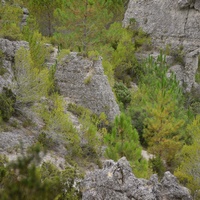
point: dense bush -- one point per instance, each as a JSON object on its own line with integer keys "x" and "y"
{"x": 124, "y": 141}
{"x": 29, "y": 179}
{"x": 7, "y": 100}
{"x": 122, "y": 93}
{"x": 10, "y": 16}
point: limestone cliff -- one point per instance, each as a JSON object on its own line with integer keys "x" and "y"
{"x": 83, "y": 81}
{"x": 171, "y": 22}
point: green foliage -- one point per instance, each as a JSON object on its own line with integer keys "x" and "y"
{"x": 85, "y": 22}
{"x": 43, "y": 12}
{"x": 92, "y": 145}
{"x": 122, "y": 92}
{"x": 2, "y": 69}
{"x": 58, "y": 126}
{"x": 178, "y": 55}
{"x": 197, "y": 75}
{"x": 62, "y": 54}
{"x": 76, "y": 109}
{"x": 7, "y": 100}
{"x": 159, "y": 102}
{"x": 32, "y": 83}
{"x": 24, "y": 179}
{"x": 10, "y": 17}
{"x": 93, "y": 129}
{"x": 38, "y": 50}
{"x": 46, "y": 141}
{"x": 188, "y": 171}
{"x": 157, "y": 166}
{"x": 118, "y": 50}
{"x": 124, "y": 141}
{"x": 93, "y": 55}
{"x": 88, "y": 79}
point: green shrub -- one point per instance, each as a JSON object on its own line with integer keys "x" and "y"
{"x": 178, "y": 55}
{"x": 2, "y": 71}
{"x": 124, "y": 141}
{"x": 88, "y": 79}
{"x": 7, "y": 101}
{"x": 197, "y": 75}
{"x": 157, "y": 166}
{"x": 62, "y": 54}
{"x": 10, "y": 16}
{"x": 76, "y": 109}
{"x": 93, "y": 55}
{"x": 45, "y": 140}
{"x": 25, "y": 178}
{"x": 122, "y": 93}
{"x": 1, "y": 57}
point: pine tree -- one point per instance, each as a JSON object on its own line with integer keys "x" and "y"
{"x": 124, "y": 141}
{"x": 160, "y": 103}
{"x": 43, "y": 11}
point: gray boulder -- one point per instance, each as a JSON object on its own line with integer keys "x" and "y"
{"x": 117, "y": 182}
{"x": 174, "y": 23}
{"x": 83, "y": 81}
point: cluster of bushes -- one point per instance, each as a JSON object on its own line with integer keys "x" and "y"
{"x": 29, "y": 179}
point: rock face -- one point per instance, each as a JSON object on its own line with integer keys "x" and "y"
{"x": 83, "y": 81}
{"x": 170, "y": 22}
{"x": 8, "y": 50}
{"x": 116, "y": 182}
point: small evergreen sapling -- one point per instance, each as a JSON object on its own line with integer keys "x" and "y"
{"x": 124, "y": 141}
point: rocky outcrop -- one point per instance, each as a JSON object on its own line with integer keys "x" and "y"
{"x": 170, "y": 22}
{"x": 117, "y": 182}
{"x": 83, "y": 81}
{"x": 7, "y": 51}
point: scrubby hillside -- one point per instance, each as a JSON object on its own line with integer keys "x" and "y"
{"x": 77, "y": 87}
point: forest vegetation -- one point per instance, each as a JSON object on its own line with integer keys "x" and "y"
{"x": 157, "y": 116}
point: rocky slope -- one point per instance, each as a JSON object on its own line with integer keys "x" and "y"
{"x": 172, "y": 23}
{"x": 117, "y": 182}
{"x": 71, "y": 75}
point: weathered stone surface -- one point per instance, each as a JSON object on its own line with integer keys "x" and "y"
{"x": 170, "y": 22}
{"x": 9, "y": 48}
{"x": 116, "y": 181}
{"x": 178, "y": 71}
{"x": 197, "y": 5}
{"x": 83, "y": 80}
{"x": 12, "y": 141}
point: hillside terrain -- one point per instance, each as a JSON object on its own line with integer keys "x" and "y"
{"x": 99, "y": 99}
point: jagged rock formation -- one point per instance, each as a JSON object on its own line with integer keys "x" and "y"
{"x": 117, "y": 182}
{"x": 83, "y": 81}
{"x": 171, "y": 22}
